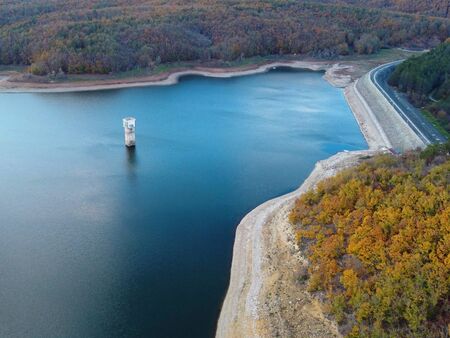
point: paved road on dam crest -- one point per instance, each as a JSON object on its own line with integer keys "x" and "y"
{"x": 410, "y": 114}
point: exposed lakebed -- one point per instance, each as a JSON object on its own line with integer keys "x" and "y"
{"x": 99, "y": 241}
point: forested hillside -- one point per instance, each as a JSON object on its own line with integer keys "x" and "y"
{"x": 98, "y": 36}
{"x": 378, "y": 240}
{"x": 426, "y": 80}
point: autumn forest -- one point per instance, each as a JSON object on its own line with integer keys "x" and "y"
{"x": 113, "y": 36}
{"x": 378, "y": 239}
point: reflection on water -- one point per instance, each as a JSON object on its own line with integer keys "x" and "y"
{"x": 131, "y": 161}
{"x": 98, "y": 240}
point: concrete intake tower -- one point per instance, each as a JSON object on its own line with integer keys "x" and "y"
{"x": 129, "y": 125}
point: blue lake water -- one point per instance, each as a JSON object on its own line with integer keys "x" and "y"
{"x": 98, "y": 241}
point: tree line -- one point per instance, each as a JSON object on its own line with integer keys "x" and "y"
{"x": 111, "y": 36}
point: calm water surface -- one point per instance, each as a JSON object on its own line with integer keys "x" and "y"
{"x": 97, "y": 241}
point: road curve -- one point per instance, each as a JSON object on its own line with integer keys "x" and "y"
{"x": 410, "y": 114}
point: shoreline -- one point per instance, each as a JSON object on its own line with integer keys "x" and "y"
{"x": 339, "y": 72}
{"x": 264, "y": 297}
{"x": 335, "y": 74}
{"x": 265, "y": 266}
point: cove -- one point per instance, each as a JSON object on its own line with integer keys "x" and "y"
{"x": 99, "y": 241}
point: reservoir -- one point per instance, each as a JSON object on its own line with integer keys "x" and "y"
{"x": 100, "y": 241}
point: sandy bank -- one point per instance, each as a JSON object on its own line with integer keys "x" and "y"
{"x": 335, "y": 73}
{"x": 265, "y": 298}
